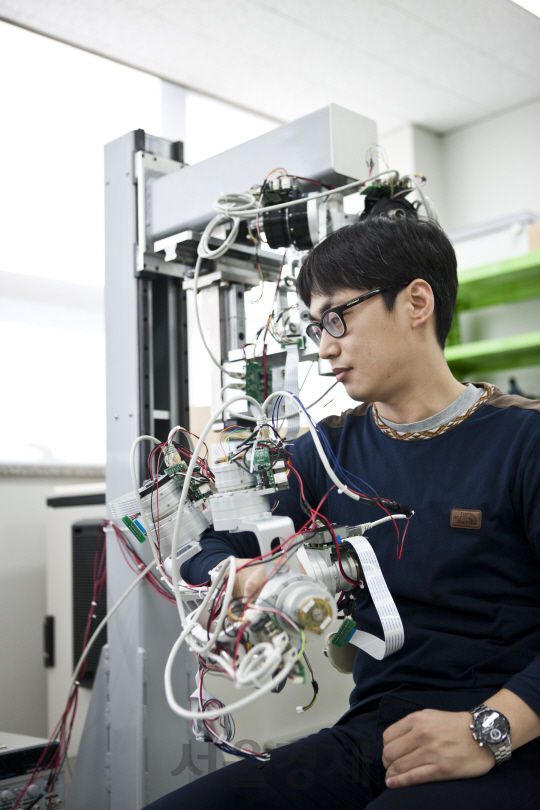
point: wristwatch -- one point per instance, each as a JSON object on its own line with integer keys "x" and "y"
{"x": 491, "y": 728}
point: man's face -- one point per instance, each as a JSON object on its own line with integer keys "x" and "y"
{"x": 371, "y": 359}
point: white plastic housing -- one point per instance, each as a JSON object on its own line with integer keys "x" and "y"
{"x": 194, "y": 522}
{"x": 162, "y": 502}
{"x": 327, "y": 145}
{"x": 290, "y": 592}
{"x": 230, "y": 508}
{"x": 232, "y": 477}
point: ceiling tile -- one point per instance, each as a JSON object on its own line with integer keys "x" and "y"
{"x": 439, "y": 64}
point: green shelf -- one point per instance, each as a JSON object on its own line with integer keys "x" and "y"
{"x": 503, "y": 282}
{"x": 496, "y": 354}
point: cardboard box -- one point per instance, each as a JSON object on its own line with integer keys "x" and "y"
{"x": 534, "y": 236}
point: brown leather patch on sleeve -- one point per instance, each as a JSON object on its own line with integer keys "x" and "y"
{"x": 465, "y": 518}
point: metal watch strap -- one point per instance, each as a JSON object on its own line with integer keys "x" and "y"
{"x": 502, "y": 750}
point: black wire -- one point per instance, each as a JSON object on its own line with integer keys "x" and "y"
{"x": 36, "y": 800}
{"x": 314, "y": 684}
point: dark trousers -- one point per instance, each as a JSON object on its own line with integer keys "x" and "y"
{"x": 340, "y": 768}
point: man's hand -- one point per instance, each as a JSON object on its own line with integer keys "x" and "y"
{"x": 249, "y": 579}
{"x": 433, "y": 746}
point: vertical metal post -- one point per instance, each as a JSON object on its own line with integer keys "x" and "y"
{"x": 138, "y": 761}
{"x": 146, "y": 368}
{"x": 172, "y": 323}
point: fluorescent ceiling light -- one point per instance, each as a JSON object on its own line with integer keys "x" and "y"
{"x": 531, "y": 5}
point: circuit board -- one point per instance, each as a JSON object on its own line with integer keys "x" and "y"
{"x": 255, "y": 381}
{"x": 262, "y": 466}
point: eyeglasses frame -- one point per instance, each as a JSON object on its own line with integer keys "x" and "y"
{"x": 339, "y": 310}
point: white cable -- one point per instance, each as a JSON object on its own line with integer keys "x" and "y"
{"x": 253, "y": 448}
{"x": 239, "y": 704}
{"x": 203, "y": 248}
{"x": 262, "y": 659}
{"x": 237, "y": 386}
{"x": 250, "y": 670}
{"x": 104, "y": 621}
{"x": 428, "y": 205}
{"x": 322, "y": 455}
{"x": 230, "y": 565}
{"x": 284, "y": 416}
{"x": 186, "y": 433}
{"x": 253, "y": 668}
{"x": 197, "y": 315}
{"x": 366, "y": 527}
{"x": 238, "y": 208}
{"x": 185, "y": 491}
{"x": 239, "y": 200}
{"x": 204, "y": 251}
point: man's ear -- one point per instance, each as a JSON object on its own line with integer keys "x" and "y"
{"x": 421, "y": 302}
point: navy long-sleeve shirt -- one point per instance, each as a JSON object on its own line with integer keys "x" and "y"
{"x": 469, "y": 598}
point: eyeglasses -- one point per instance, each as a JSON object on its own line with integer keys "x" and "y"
{"x": 332, "y": 319}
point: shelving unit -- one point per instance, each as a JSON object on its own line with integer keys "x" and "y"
{"x": 512, "y": 280}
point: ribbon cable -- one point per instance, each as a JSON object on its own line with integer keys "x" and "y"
{"x": 291, "y": 385}
{"x": 394, "y": 636}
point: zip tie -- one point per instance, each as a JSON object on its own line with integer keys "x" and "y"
{"x": 93, "y": 603}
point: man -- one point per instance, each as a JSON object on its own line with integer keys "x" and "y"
{"x": 467, "y": 579}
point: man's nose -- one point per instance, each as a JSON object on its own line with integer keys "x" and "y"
{"x": 329, "y": 346}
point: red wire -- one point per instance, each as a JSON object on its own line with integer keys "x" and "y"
{"x": 140, "y": 565}
{"x": 273, "y": 302}
{"x": 157, "y": 506}
{"x": 239, "y": 638}
{"x": 65, "y": 722}
{"x": 383, "y": 507}
{"x": 344, "y": 575}
{"x": 154, "y": 451}
{"x": 264, "y": 372}
{"x": 399, "y": 553}
{"x": 299, "y": 479}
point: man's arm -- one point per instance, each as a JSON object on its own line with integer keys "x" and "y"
{"x": 216, "y": 547}
{"x": 429, "y": 746}
{"x": 432, "y": 746}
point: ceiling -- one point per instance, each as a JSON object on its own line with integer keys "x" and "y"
{"x": 438, "y": 63}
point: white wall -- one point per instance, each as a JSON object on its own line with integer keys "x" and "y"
{"x": 23, "y": 510}
{"x": 414, "y": 149}
{"x": 479, "y": 173}
{"x": 492, "y": 168}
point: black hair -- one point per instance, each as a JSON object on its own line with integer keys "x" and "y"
{"x": 383, "y": 252}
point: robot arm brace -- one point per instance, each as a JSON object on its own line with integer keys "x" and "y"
{"x": 258, "y": 642}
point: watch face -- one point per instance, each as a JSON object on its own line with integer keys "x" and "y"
{"x": 493, "y": 727}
